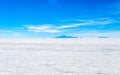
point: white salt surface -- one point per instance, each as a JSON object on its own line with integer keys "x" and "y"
{"x": 60, "y": 56}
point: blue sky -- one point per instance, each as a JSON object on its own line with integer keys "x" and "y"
{"x": 52, "y": 18}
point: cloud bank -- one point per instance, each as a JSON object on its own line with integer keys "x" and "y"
{"x": 52, "y": 28}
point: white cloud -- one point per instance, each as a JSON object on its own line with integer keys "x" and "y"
{"x": 42, "y": 28}
{"x": 17, "y": 34}
{"x": 7, "y": 31}
{"x": 99, "y": 21}
{"x": 116, "y": 6}
{"x": 49, "y": 28}
{"x": 72, "y": 25}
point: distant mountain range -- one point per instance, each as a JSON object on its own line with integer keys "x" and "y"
{"x": 65, "y": 36}
{"x": 103, "y": 37}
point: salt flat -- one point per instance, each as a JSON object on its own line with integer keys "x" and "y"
{"x": 60, "y": 56}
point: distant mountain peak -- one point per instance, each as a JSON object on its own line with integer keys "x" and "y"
{"x": 65, "y": 36}
{"x": 103, "y": 37}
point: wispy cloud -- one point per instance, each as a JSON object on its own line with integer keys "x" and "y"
{"x": 51, "y": 28}
{"x": 17, "y": 34}
{"x": 7, "y": 31}
{"x": 114, "y": 9}
{"x": 99, "y": 21}
{"x": 42, "y": 28}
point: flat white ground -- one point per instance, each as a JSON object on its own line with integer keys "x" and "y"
{"x": 60, "y": 56}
